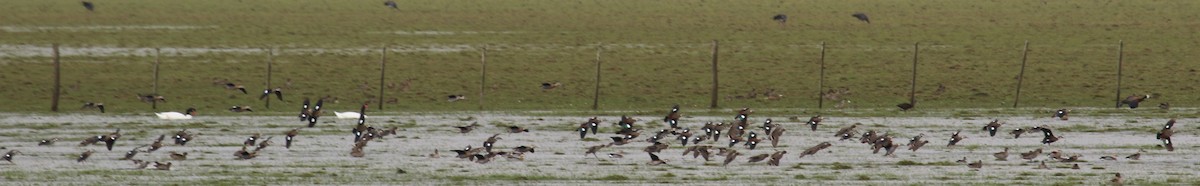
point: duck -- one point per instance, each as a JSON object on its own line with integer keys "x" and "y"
{"x": 1134, "y": 100}
{"x": 178, "y": 156}
{"x": 176, "y": 115}
{"x": 96, "y": 106}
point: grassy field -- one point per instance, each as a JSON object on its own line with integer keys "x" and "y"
{"x": 655, "y": 53}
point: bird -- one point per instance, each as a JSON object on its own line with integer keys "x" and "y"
{"x": 157, "y": 143}
{"x": 182, "y": 137}
{"x": 1075, "y": 166}
{"x": 977, "y": 165}
{"x": 162, "y": 166}
{"x": 84, "y": 156}
{"x": 549, "y": 85}
{"x": 261, "y": 145}
{"x": 814, "y": 121}
{"x": 758, "y": 158}
{"x": 964, "y": 160}
{"x": 768, "y": 126}
{"x": 775, "y": 134}
{"x": 129, "y": 155}
{"x": 1136, "y": 156}
{"x": 391, "y": 4}
{"x": 47, "y": 142}
{"x": 89, "y": 6}
{"x": 151, "y": 98}
{"x": 244, "y": 154}
{"x": 1164, "y": 106}
{"x": 992, "y": 127}
{"x": 178, "y": 156}
{"x": 743, "y": 114}
{"x": 1165, "y": 135}
{"x": 1109, "y": 158}
{"x": 1049, "y": 135}
{"x": 1117, "y": 179}
{"x": 730, "y": 156}
{"x": 672, "y": 118}
{"x": 232, "y": 86}
{"x": 654, "y": 160}
{"x": 453, "y": 98}
{"x": 752, "y": 141}
{"x": 305, "y": 110}
{"x": 109, "y": 140}
{"x": 1031, "y": 154}
{"x": 176, "y": 115}
{"x": 291, "y": 134}
{"x": 1133, "y": 101}
{"x": 96, "y": 106}
{"x": 435, "y": 154}
{"x": 487, "y": 144}
{"x": 523, "y": 149}
{"x": 1061, "y": 114}
{"x": 1017, "y": 132}
{"x": 781, "y": 18}
{"x": 468, "y": 128}
{"x": 353, "y": 115}
{"x": 593, "y": 149}
{"x": 915, "y": 142}
{"x": 1002, "y": 155}
{"x": 776, "y": 157}
{"x": 236, "y": 108}
{"x": 9, "y": 156}
{"x": 313, "y": 115}
{"x": 684, "y": 136}
{"x": 847, "y": 132}
{"x": 905, "y": 106}
{"x": 656, "y": 147}
{"x": 955, "y": 138}
{"x": 815, "y": 149}
{"x": 250, "y": 141}
{"x": 592, "y": 124}
{"x": 620, "y": 154}
{"x": 267, "y": 93}
{"x": 862, "y": 17}
{"x": 516, "y": 129}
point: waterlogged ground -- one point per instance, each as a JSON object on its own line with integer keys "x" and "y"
{"x": 321, "y": 154}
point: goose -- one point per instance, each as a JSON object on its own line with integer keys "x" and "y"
{"x": 1133, "y": 101}
{"x": 1049, "y": 135}
{"x": 684, "y": 136}
{"x": 955, "y": 138}
{"x": 730, "y": 156}
{"x": 47, "y": 142}
{"x": 992, "y": 127}
{"x": 250, "y": 141}
{"x": 231, "y": 86}
{"x": 162, "y": 166}
{"x": 815, "y": 149}
{"x": 916, "y": 143}
{"x": 964, "y": 160}
{"x": 752, "y": 141}
{"x": 775, "y": 134}
{"x": 846, "y": 132}
{"x": 862, "y": 17}
{"x": 672, "y": 118}
{"x": 89, "y": 6}
{"x": 267, "y": 93}
{"x": 95, "y": 106}
{"x": 305, "y": 110}
{"x": 1164, "y": 106}
{"x": 261, "y": 145}
{"x": 775, "y": 157}
{"x": 593, "y": 149}
{"x": 657, "y": 147}
{"x": 743, "y": 114}
{"x": 1043, "y": 166}
{"x": 178, "y": 156}
{"x": 654, "y": 160}
{"x": 1017, "y": 132}
{"x": 977, "y": 165}
{"x": 315, "y": 113}
{"x": 453, "y": 98}
{"x": 157, "y": 143}
{"x": 182, "y": 137}
{"x": 1002, "y": 155}
{"x": 84, "y": 156}
{"x": 391, "y": 4}
{"x": 1031, "y": 154}
{"x": 1117, "y": 180}
{"x": 237, "y": 108}
{"x": 245, "y": 155}
{"x": 516, "y": 129}
{"x": 1075, "y": 166}
{"x": 523, "y": 149}
{"x": 176, "y": 115}
{"x": 1166, "y": 133}
{"x": 151, "y": 98}
{"x": 1136, "y": 156}
{"x": 591, "y": 124}
{"x": 758, "y": 158}
{"x": 9, "y": 156}
{"x": 620, "y": 154}
{"x": 487, "y": 144}
{"x": 905, "y": 106}
{"x": 435, "y": 154}
{"x": 139, "y": 164}
{"x": 353, "y": 115}
{"x": 814, "y": 121}
{"x": 549, "y": 85}
{"x": 468, "y": 128}
{"x": 1109, "y": 158}
{"x": 1061, "y": 114}
{"x": 768, "y": 125}
{"x": 291, "y": 134}
{"x": 129, "y": 155}
{"x": 781, "y": 18}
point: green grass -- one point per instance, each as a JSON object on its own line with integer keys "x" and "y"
{"x": 655, "y": 53}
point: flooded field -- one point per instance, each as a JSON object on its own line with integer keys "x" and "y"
{"x": 321, "y": 155}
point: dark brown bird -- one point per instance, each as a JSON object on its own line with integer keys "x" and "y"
{"x": 233, "y": 86}
{"x": 743, "y": 114}
{"x": 626, "y": 123}
{"x": 48, "y": 142}
{"x": 752, "y": 140}
{"x": 264, "y": 144}
{"x": 1075, "y": 166}
{"x": 964, "y": 160}
{"x": 769, "y": 126}
{"x": 305, "y": 110}
{"x": 905, "y": 106}
{"x": 182, "y": 137}
{"x": 1031, "y": 154}
{"x": 684, "y": 136}
{"x": 593, "y": 149}
{"x": 776, "y": 157}
{"x": 523, "y": 149}
{"x": 291, "y": 135}
{"x": 94, "y": 106}
{"x": 151, "y": 98}
{"x": 862, "y": 17}
{"x": 129, "y": 155}
{"x": 814, "y": 121}
{"x": 237, "y": 108}
{"x": 654, "y": 160}
{"x": 1049, "y": 135}
{"x": 1165, "y": 135}
{"x": 916, "y": 142}
{"x": 758, "y": 158}
{"x": 468, "y": 128}
{"x": 315, "y": 113}
{"x": 1164, "y": 106}
{"x": 815, "y": 149}
{"x": 781, "y": 18}
{"x": 89, "y": 6}
{"x": 592, "y": 124}
{"x": 992, "y": 127}
{"x": 157, "y": 143}
{"x": 487, "y": 144}
{"x": 516, "y": 129}
{"x": 775, "y": 134}
{"x": 955, "y": 138}
{"x": 267, "y": 93}
{"x": 673, "y": 117}
{"x": 244, "y": 154}
{"x": 730, "y": 156}
{"x": 847, "y": 132}
{"x": 1133, "y": 101}
{"x": 84, "y": 156}
{"x": 9, "y": 156}
{"x": 178, "y": 156}
{"x": 250, "y": 141}
{"x": 1002, "y": 155}
{"x": 1061, "y": 114}
{"x": 549, "y": 85}
{"x": 657, "y": 147}
{"x": 1117, "y": 179}
{"x": 162, "y": 166}
{"x": 977, "y": 165}
{"x": 1017, "y": 132}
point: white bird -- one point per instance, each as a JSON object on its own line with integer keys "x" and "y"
{"x": 347, "y": 115}
{"x": 177, "y": 115}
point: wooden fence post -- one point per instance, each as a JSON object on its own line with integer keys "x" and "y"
{"x": 912, "y": 95}
{"x": 715, "y": 83}
{"x": 57, "y": 80}
{"x": 382, "y": 69}
{"x": 1021, "y": 76}
{"x": 821, "y": 82}
{"x": 482, "y": 76}
{"x": 596, "y": 94}
{"x": 1120, "y": 63}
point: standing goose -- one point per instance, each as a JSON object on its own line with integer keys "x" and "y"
{"x": 176, "y": 115}
{"x": 1002, "y": 155}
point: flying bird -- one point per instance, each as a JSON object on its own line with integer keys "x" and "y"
{"x": 1166, "y": 133}
{"x": 84, "y": 156}
{"x": 9, "y": 156}
{"x": 89, "y": 6}
{"x": 1061, "y": 114}
{"x": 453, "y": 98}
{"x": 992, "y": 127}
{"x": 672, "y": 118}
{"x": 231, "y": 86}
{"x": 654, "y": 160}
{"x": 955, "y": 138}
{"x": 905, "y": 106}
{"x": 237, "y": 108}
{"x": 291, "y": 134}
{"x": 95, "y": 106}
{"x": 391, "y": 4}
{"x": 1049, "y": 135}
{"x": 862, "y": 17}
{"x": 781, "y": 18}
{"x": 814, "y": 121}
{"x": 267, "y": 93}
{"x": 548, "y": 85}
